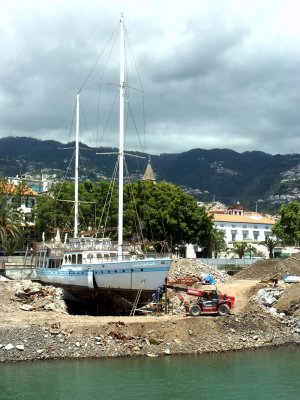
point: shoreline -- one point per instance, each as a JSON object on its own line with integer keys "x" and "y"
{"x": 60, "y": 338}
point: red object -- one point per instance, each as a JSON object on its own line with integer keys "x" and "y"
{"x": 210, "y": 302}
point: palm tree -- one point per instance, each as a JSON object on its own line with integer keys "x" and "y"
{"x": 10, "y": 232}
{"x": 240, "y": 248}
{"x": 270, "y": 244}
{"x": 218, "y": 243}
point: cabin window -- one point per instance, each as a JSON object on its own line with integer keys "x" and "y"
{"x": 44, "y": 259}
{"x": 106, "y": 256}
{"x": 99, "y": 255}
{"x": 79, "y": 259}
{"x": 73, "y": 258}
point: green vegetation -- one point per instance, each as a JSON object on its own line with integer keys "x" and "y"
{"x": 165, "y": 212}
{"x": 226, "y": 175}
{"x": 240, "y": 249}
{"x": 217, "y": 242}
{"x": 287, "y": 229}
{"x": 10, "y": 228}
{"x": 270, "y": 244}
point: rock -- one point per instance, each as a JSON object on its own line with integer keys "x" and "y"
{"x": 167, "y": 351}
{"x": 151, "y": 355}
{"x": 20, "y": 293}
{"x": 156, "y": 341}
{"x": 26, "y": 307}
{"x": 9, "y": 346}
{"x": 40, "y": 351}
{"x": 50, "y": 306}
{"x": 54, "y": 331}
{"x": 273, "y": 310}
{"x": 77, "y": 344}
{"x": 20, "y": 347}
{"x": 26, "y": 284}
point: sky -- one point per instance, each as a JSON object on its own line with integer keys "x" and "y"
{"x": 215, "y": 73}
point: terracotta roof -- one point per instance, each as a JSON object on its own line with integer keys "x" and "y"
{"x": 250, "y": 219}
{"x": 11, "y": 189}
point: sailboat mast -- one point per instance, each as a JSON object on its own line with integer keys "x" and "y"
{"x": 121, "y": 136}
{"x": 76, "y": 169}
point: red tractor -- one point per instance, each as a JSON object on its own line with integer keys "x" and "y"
{"x": 210, "y": 301}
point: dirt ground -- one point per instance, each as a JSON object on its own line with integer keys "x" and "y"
{"x": 12, "y": 315}
{"x": 35, "y": 335}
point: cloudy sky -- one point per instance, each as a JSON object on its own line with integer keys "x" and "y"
{"x": 216, "y": 74}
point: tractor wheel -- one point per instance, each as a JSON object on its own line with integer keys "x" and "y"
{"x": 195, "y": 310}
{"x": 223, "y": 310}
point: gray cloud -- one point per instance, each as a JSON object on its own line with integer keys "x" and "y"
{"x": 212, "y": 79}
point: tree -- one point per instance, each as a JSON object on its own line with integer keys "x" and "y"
{"x": 167, "y": 213}
{"x": 217, "y": 242}
{"x": 288, "y": 227}
{"x": 10, "y": 230}
{"x": 270, "y": 244}
{"x": 160, "y": 212}
{"x": 240, "y": 248}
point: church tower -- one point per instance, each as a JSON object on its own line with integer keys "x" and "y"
{"x": 149, "y": 174}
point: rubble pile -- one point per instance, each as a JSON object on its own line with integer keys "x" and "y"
{"x": 35, "y": 296}
{"x": 268, "y": 269}
{"x": 282, "y": 303}
{"x": 186, "y": 272}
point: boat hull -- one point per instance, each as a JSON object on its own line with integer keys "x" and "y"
{"x": 125, "y": 275}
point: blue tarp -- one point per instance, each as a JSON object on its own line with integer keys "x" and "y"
{"x": 209, "y": 279}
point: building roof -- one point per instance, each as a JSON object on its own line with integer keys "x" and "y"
{"x": 251, "y": 218}
{"x": 9, "y": 189}
{"x": 149, "y": 174}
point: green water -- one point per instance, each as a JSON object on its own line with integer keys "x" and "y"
{"x": 267, "y": 375}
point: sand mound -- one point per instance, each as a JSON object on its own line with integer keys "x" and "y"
{"x": 272, "y": 268}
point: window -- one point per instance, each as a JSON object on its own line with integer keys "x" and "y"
{"x": 267, "y": 235}
{"x": 245, "y": 235}
{"x": 233, "y": 226}
{"x": 222, "y": 225}
{"x": 73, "y": 258}
{"x": 233, "y": 235}
{"x": 266, "y": 227}
{"x": 255, "y": 226}
{"x": 255, "y": 235}
{"x": 244, "y": 226}
{"x": 79, "y": 259}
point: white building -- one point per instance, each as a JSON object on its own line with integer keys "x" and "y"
{"x": 252, "y": 227}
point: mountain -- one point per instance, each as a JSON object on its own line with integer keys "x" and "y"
{"x": 222, "y": 174}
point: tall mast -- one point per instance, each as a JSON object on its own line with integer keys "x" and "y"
{"x": 76, "y": 169}
{"x": 121, "y": 137}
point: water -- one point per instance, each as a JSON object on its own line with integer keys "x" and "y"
{"x": 260, "y": 375}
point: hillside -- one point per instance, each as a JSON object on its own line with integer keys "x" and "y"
{"x": 222, "y": 174}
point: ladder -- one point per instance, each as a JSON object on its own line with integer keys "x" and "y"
{"x": 137, "y": 298}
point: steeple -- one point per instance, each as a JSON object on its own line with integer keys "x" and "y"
{"x": 149, "y": 174}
